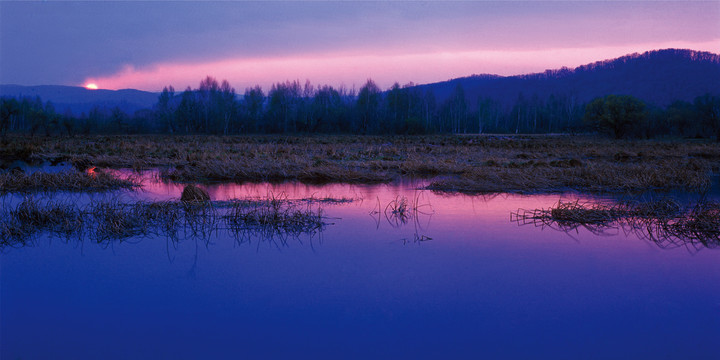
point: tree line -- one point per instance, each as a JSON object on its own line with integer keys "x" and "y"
{"x": 291, "y": 107}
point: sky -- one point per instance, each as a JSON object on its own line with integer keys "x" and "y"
{"x": 151, "y": 44}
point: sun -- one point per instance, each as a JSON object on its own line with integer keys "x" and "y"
{"x": 91, "y": 86}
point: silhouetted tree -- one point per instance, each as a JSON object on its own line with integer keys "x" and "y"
{"x": 187, "y": 112}
{"x": 68, "y": 122}
{"x": 454, "y": 111}
{"x": 707, "y": 108}
{"x": 367, "y": 105}
{"x": 9, "y": 108}
{"x": 227, "y": 106}
{"x": 616, "y": 114}
{"x": 283, "y": 99}
{"x": 165, "y": 109}
{"x": 328, "y": 111}
{"x": 119, "y": 119}
{"x": 253, "y": 105}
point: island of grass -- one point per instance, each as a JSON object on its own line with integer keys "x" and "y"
{"x": 449, "y": 163}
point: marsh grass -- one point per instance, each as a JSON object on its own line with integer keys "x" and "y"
{"x": 473, "y": 163}
{"x": 71, "y": 180}
{"x": 275, "y": 216}
{"x": 104, "y": 221}
{"x": 29, "y": 217}
{"x": 401, "y": 211}
{"x": 115, "y": 220}
{"x": 663, "y": 222}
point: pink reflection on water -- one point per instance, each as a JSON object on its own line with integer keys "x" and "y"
{"x": 378, "y": 206}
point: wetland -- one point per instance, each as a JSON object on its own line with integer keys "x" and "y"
{"x": 453, "y": 246}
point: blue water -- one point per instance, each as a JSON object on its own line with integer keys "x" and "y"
{"x": 479, "y": 286}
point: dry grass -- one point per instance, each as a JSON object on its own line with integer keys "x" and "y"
{"x": 663, "y": 222}
{"x": 453, "y": 163}
{"x": 18, "y": 181}
{"x": 30, "y": 217}
{"x": 192, "y": 193}
{"x": 276, "y": 216}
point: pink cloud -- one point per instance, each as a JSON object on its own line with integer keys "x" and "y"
{"x": 354, "y": 69}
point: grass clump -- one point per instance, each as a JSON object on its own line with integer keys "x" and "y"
{"x": 192, "y": 193}
{"x": 71, "y": 180}
{"x": 276, "y": 215}
{"x": 112, "y": 220}
{"x": 29, "y": 217}
{"x": 117, "y": 220}
{"x": 663, "y": 222}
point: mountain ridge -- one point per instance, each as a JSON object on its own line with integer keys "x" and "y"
{"x": 657, "y": 77}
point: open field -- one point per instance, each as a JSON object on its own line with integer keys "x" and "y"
{"x": 482, "y": 163}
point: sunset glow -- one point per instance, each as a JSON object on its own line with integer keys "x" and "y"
{"x": 352, "y": 69}
{"x": 334, "y": 43}
{"x": 91, "y": 86}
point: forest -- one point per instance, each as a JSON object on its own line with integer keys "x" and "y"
{"x": 293, "y": 108}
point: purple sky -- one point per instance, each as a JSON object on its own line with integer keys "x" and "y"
{"x": 147, "y": 45}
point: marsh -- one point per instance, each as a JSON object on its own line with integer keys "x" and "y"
{"x": 359, "y": 270}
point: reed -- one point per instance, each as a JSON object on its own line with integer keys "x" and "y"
{"x": 275, "y": 215}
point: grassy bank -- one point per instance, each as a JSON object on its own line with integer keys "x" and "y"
{"x": 451, "y": 163}
{"x": 71, "y": 180}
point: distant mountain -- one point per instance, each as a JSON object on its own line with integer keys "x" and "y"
{"x": 657, "y": 77}
{"x": 79, "y": 99}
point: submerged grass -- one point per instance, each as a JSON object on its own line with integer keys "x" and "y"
{"x": 276, "y": 215}
{"x": 476, "y": 164}
{"x": 30, "y": 217}
{"x": 664, "y": 222}
{"x": 112, "y": 220}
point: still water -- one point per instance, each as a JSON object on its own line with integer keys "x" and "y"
{"x": 454, "y": 279}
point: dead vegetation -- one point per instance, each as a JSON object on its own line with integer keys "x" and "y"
{"x": 112, "y": 220}
{"x": 276, "y": 216}
{"x": 71, "y": 180}
{"x": 474, "y": 164}
{"x": 663, "y": 222}
{"x": 194, "y": 194}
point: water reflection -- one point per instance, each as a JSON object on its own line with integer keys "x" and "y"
{"x": 281, "y": 213}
